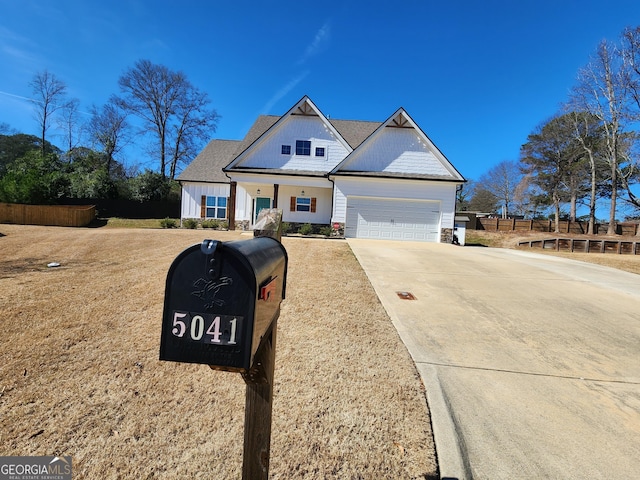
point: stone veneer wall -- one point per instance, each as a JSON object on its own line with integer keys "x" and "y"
{"x": 446, "y": 235}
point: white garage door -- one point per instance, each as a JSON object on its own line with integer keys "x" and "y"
{"x": 391, "y": 219}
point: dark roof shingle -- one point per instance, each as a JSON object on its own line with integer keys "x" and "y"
{"x": 354, "y": 131}
{"x": 208, "y": 165}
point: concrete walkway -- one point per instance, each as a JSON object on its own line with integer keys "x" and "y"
{"x": 531, "y": 362}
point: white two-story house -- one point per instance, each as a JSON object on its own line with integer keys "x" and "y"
{"x": 375, "y": 180}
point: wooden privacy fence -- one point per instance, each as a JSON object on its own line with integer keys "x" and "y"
{"x": 56, "y": 215}
{"x": 565, "y": 226}
{"x": 587, "y": 245}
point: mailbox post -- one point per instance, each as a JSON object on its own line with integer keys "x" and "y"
{"x": 222, "y": 303}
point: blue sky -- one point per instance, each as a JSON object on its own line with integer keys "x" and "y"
{"x": 477, "y": 76}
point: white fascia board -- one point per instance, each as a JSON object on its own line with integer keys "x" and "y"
{"x": 447, "y": 164}
{"x": 439, "y": 155}
{"x": 325, "y": 120}
{"x": 301, "y": 180}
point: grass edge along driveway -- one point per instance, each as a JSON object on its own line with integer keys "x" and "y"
{"x": 81, "y": 375}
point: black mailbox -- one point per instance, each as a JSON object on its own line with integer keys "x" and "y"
{"x": 221, "y": 300}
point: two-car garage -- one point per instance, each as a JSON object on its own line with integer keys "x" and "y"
{"x": 392, "y": 219}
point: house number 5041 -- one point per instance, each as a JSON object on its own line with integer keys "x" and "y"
{"x": 206, "y": 328}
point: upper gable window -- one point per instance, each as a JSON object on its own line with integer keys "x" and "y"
{"x": 303, "y": 147}
{"x": 319, "y": 151}
{"x": 285, "y": 150}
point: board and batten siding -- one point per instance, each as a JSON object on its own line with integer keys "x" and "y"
{"x": 193, "y": 192}
{"x": 444, "y": 193}
{"x": 314, "y": 187}
{"x": 268, "y": 153}
{"x": 322, "y": 215}
{"x": 322, "y": 196}
{"x": 397, "y": 150}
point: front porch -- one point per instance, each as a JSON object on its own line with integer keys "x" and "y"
{"x": 300, "y": 204}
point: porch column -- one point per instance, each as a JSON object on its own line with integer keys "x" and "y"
{"x": 275, "y": 195}
{"x": 231, "y": 208}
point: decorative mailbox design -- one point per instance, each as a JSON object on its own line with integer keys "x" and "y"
{"x": 221, "y": 300}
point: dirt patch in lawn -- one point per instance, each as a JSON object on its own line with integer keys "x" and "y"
{"x": 80, "y": 374}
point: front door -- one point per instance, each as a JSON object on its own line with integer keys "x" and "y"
{"x": 261, "y": 202}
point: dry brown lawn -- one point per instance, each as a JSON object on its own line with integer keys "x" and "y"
{"x": 80, "y": 373}
{"x": 629, "y": 263}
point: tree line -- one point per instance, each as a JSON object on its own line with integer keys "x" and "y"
{"x": 155, "y": 106}
{"x": 587, "y": 151}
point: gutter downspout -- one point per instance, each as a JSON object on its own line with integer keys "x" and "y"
{"x": 455, "y": 211}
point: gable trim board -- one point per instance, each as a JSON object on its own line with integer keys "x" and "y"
{"x": 303, "y": 109}
{"x": 387, "y": 180}
{"x": 379, "y": 154}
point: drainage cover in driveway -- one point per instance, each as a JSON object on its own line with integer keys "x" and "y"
{"x": 406, "y": 295}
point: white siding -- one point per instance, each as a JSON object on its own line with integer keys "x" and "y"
{"x": 322, "y": 215}
{"x": 444, "y": 193}
{"x": 268, "y": 153}
{"x": 246, "y": 194}
{"x": 192, "y": 194}
{"x": 399, "y": 150}
{"x": 289, "y": 186}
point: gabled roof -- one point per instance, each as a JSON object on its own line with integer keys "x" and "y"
{"x": 208, "y": 165}
{"x": 221, "y": 156}
{"x": 262, "y": 124}
{"x": 354, "y": 131}
{"x": 304, "y": 107}
{"x": 400, "y": 119}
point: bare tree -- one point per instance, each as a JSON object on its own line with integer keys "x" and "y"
{"x": 69, "y": 124}
{"x": 49, "y": 93}
{"x": 587, "y": 131}
{"x": 482, "y": 200}
{"x": 108, "y": 127}
{"x": 463, "y": 195}
{"x": 502, "y": 181}
{"x": 602, "y": 91}
{"x": 5, "y": 129}
{"x": 529, "y": 198}
{"x": 631, "y": 57}
{"x": 195, "y": 124}
{"x": 172, "y": 110}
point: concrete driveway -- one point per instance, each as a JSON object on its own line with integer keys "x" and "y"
{"x": 531, "y": 363}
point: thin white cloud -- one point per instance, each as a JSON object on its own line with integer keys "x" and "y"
{"x": 319, "y": 44}
{"x": 10, "y": 35}
{"x": 26, "y": 101}
{"x": 18, "y": 54}
{"x": 16, "y": 96}
{"x": 16, "y": 47}
{"x": 155, "y": 44}
{"x": 283, "y": 91}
